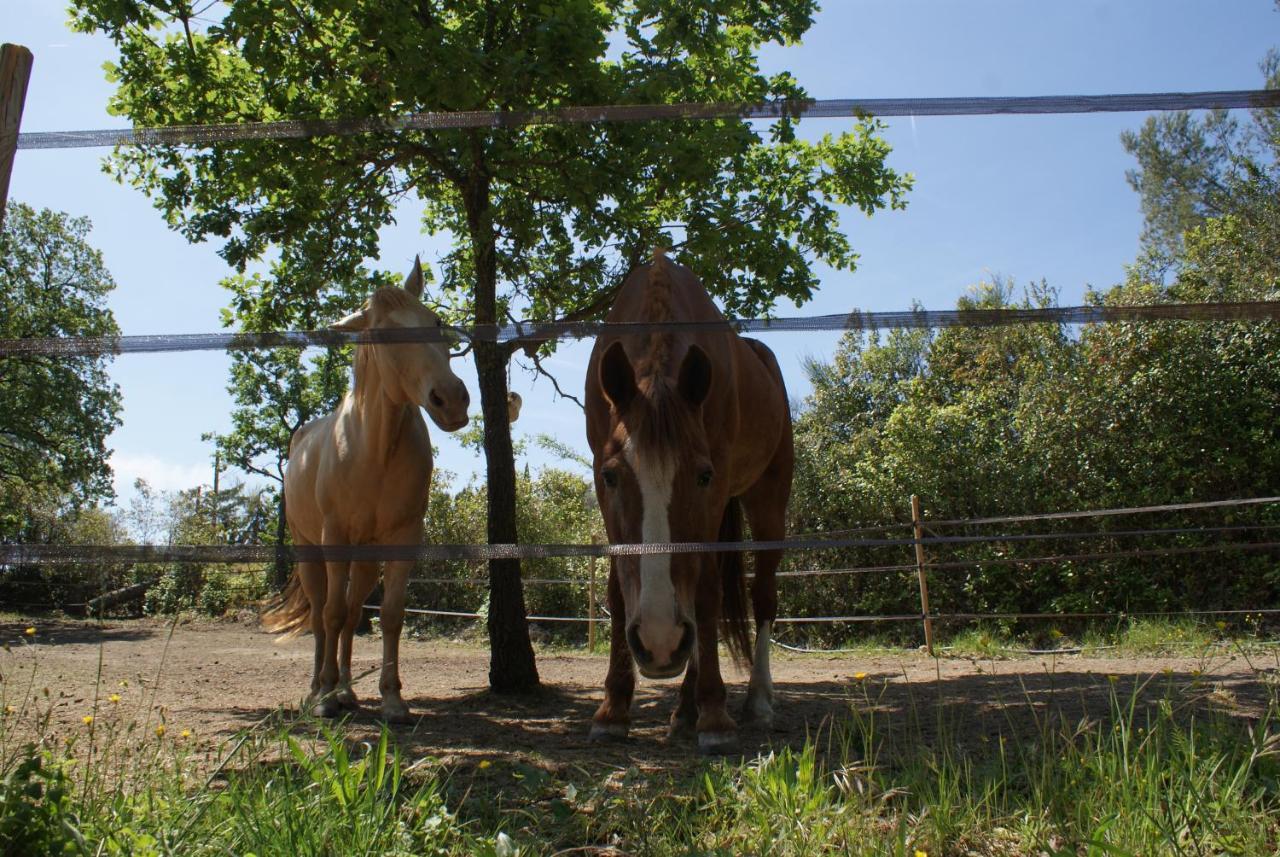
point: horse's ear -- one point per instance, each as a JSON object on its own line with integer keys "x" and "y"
{"x": 695, "y": 376}
{"x": 358, "y": 320}
{"x": 414, "y": 282}
{"x": 617, "y": 377}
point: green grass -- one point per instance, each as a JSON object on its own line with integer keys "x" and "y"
{"x": 1157, "y": 771}
{"x": 1147, "y": 780}
{"x": 1131, "y": 637}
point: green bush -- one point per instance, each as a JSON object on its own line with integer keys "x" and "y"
{"x": 37, "y": 814}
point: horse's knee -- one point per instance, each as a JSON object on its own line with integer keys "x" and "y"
{"x": 335, "y": 616}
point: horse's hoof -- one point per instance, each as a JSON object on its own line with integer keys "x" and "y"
{"x": 327, "y": 708}
{"x": 681, "y": 729}
{"x": 757, "y": 714}
{"x": 396, "y": 713}
{"x": 718, "y": 744}
{"x": 762, "y": 721}
{"x": 608, "y": 733}
{"x": 347, "y": 699}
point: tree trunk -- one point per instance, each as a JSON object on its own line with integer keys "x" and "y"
{"x": 512, "y": 668}
{"x": 95, "y": 606}
{"x": 282, "y": 564}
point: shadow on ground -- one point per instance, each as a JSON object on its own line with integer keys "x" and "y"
{"x": 549, "y": 729}
{"x": 62, "y": 632}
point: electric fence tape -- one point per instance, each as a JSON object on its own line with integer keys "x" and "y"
{"x": 856, "y": 108}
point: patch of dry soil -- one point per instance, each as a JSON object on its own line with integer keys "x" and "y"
{"x": 216, "y": 678}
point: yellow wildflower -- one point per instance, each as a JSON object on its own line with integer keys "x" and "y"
{"x": 88, "y": 719}
{"x": 186, "y": 733}
{"x": 484, "y": 764}
{"x": 9, "y": 709}
{"x": 920, "y": 853}
{"x": 859, "y": 676}
{"x": 31, "y": 632}
{"x": 160, "y": 731}
{"x": 114, "y": 699}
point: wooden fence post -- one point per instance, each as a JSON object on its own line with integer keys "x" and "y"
{"x": 591, "y": 607}
{"x": 15, "y": 72}
{"x": 918, "y": 528}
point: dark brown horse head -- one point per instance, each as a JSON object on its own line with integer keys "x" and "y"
{"x": 657, "y": 483}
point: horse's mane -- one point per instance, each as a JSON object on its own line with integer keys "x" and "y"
{"x": 386, "y": 299}
{"x": 657, "y": 308}
{"x": 392, "y": 298}
{"x": 661, "y": 426}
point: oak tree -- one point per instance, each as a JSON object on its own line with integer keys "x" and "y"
{"x": 543, "y": 221}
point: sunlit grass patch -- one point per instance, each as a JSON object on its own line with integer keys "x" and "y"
{"x": 1129, "y": 637}
{"x": 1161, "y": 635}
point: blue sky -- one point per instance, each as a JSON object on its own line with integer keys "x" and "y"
{"x": 1020, "y": 197}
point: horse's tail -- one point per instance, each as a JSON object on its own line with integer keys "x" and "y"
{"x": 733, "y": 586}
{"x": 289, "y": 612}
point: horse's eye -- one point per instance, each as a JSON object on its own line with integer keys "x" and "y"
{"x": 610, "y": 478}
{"x": 704, "y": 478}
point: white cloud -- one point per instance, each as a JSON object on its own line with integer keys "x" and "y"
{"x": 160, "y": 474}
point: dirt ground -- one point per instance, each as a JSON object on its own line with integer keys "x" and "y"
{"x": 215, "y": 678}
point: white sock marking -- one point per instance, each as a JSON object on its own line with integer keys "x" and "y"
{"x": 761, "y": 678}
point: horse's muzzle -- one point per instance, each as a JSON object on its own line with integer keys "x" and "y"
{"x": 655, "y": 666}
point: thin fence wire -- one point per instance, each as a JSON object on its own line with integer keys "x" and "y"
{"x": 1102, "y": 513}
{"x": 533, "y": 331}
{"x": 838, "y": 108}
{"x": 972, "y": 617}
{"x": 43, "y": 554}
{"x": 16, "y": 554}
{"x": 836, "y": 572}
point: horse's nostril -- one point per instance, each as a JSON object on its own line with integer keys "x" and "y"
{"x": 435, "y": 399}
{"x": 638, "y": 651}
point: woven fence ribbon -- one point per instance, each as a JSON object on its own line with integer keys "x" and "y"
{"x": 293, "y": 129}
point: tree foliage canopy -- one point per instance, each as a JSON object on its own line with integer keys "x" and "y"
{"x": 1009, "y": 421}
{"x": 542, "y": 221}
{"x": 566, "y": 209}
{"x": 57, "y": 410}
{"x": 1192, "y": 170}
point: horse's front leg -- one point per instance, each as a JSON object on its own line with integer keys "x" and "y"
{"x": 395, "y": 586}
{"x": 766, "y": 508}
{"x": 311, "y": 576}
{"x": 612, "y": 720}
{"x": 364, "y": 577}
{"x": 717, "y": 733}
{"x": 684, "y": 720}
{"x": 324, "y": 697}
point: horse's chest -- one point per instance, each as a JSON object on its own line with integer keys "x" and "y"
{"x": 374, "y": 496}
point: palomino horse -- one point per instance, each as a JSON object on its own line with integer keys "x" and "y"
{"x": 687, "y": 431}
{"x": 361, "y": 476}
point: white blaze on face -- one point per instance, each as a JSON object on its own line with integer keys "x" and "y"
{"x": 657, "y": 613}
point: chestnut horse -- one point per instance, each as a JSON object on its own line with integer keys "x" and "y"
{"x": 361, "y": 476}
{"x": 687, "y": 431}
